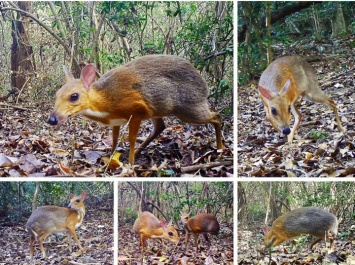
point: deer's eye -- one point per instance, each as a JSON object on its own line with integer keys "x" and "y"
{"x": 274, "y": 111}
{"x": 74, "y": 97}
{"x": 289, "y": 108}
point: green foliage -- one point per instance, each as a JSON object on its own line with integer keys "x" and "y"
{"x": 111, "y": 59}
{"x": 318, "y": 135}
{"x": 293, "y": 28}
{"x": 124, "y": 13}
{"x": 222, "y": 88}
{"x": 257, "y": 63}
{"x": 174, "y": 11}
{"x": 193, "y": 197}
{"x": 343, "y": 234}
{"x": 195, "y": 30}
{"x": 165, "y": 173}
{"x": 321, "y": 196}
{"x": 17, "y": 197}
{"x": 193, "y": 27}
{"x": 258, "y": 212}
{"x": 300, "y": 242}
{"x": 352, "y": 27}
{"x": 131, "y": 216}
{"x": 290, "y": 198}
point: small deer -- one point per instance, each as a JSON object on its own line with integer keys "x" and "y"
{"x": 281, "y": 84}
{"x": 148, "y": 226}
{"x": 307, "y": 220}
{"x": 150, "y": 87}
{"x": 47, "y": 220}
{"x": 199, "y": 224}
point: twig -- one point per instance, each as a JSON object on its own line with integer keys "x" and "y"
{"x": 204, "y": 166}
{"x": 73, "y": 151}
{"x": 15, "y": 107}
{"x": 22, "y": 88}
{"x": 78, "y": 263}
{"x": 68, "y": 176}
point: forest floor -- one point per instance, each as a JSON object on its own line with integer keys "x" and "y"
{"x": 319, "y": 148}
{"x": 251, "y": 244}
{"x": 95, "y": 234}
{"x": 31, "y": 147}
{"x": 219, "y": 252}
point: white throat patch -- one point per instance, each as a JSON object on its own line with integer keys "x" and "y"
{"x": 94, "y": 113}
{"x": 103, "y": 115}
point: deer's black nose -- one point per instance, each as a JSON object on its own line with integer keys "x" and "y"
{"x": 52, "y": 120}
{"x": 286, "y": 131}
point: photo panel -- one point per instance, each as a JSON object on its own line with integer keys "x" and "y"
{"x": 56, "y": 214}
{"x": 295, "y": 222}
{"x": 117, "y": 88}
{"x": 175, "y": 222}
{"x": 295, "y": 89}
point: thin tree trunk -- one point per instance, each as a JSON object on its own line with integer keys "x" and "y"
{"x": 35, "y": 196}
{"x": 268, "y": 32}
{"x": 338, "y": 26}
{"x": 22, "y": 61}
{"x": 27, "y": 14}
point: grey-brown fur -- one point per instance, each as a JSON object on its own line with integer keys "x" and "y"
{"x": 47, "y": 218}
{"x": 311, "y": 220}
{"x": 149, "y": 87}
{"x": 170, "y": 84}
{"x": 307, "y": 220}
{"x": 200, "y": 224}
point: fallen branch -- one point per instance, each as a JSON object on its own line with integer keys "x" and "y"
{"x": 15, "y": 107}
{"x": 78, "y": 263}
{"x": 205, "y": 166}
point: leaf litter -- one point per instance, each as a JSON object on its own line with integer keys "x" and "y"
{"x": 97, "y": 243}
{"x": 319, "y": 148}
{"x": 29, "y": 147}
{"x": 220, "y": 251}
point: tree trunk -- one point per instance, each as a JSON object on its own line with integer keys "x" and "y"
{"x": 277, "y": 15}
{"x": 338, "y": 24}
{"x": 35, "y": 196}
{"x": 268, "y": 31}
{"x": 315, "y": 20}
{"x": 22, "y": 61}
